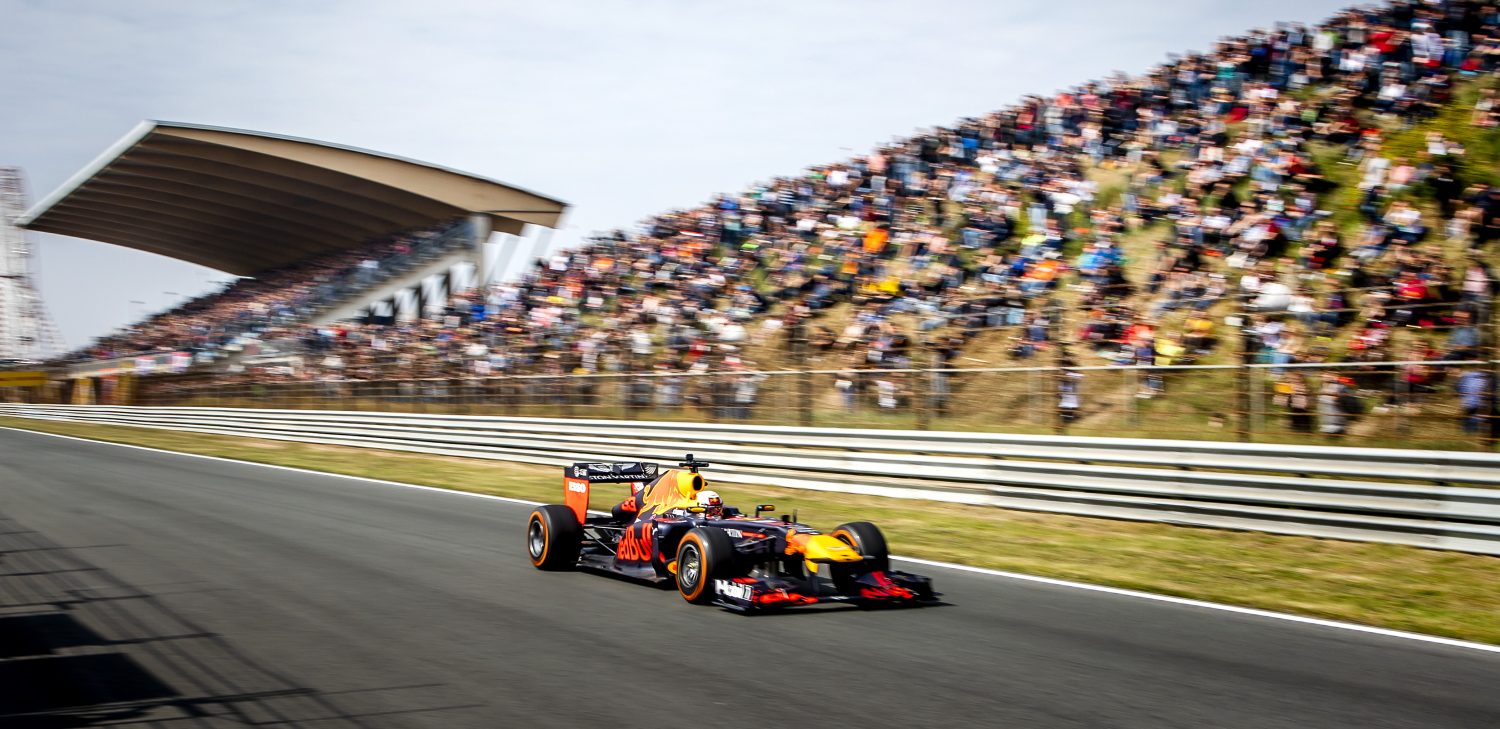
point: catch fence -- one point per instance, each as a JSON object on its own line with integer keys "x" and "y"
{"x": 1428, "y": 404}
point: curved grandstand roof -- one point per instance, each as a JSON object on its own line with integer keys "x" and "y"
{"x": 242, "y": 201}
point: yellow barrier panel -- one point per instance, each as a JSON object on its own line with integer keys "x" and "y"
{"x": 23, "y": 379}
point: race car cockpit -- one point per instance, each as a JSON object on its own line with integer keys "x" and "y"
{"x": 676, "y": 492}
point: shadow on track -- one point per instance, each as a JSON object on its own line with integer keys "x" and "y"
{"x": 824, "y": 608}
{"x": 80, "y": 647}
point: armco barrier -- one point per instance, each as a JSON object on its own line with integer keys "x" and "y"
{"x": 1367, "y": 494}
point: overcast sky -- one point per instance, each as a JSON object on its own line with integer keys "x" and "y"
{"x": 622, "y": 109}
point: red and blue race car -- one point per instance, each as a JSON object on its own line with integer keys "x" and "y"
{"x": 671, "y": 527}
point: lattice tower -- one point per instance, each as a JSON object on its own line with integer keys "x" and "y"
{"x": 26, "y": 331}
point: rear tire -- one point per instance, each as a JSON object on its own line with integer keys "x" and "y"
{"x": 705, "y": 554}
{"x": 553, "y": 538}
{"x": 866, "y": 539}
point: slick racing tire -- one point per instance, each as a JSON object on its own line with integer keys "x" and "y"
{"x": 866, "y": 539}
{"x": 553, "y": 538}
{"x": 705, "y": 554}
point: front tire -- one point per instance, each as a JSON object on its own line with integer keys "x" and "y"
{"x": 553, "y": 538}
{"x": 705, "y": 554}
{"x": 867, "y": 539}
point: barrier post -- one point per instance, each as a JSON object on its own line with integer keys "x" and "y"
{"x": 627, "y": 394}
{"x": 1490, "y": 431}
{"x": 1059, "y": 416}
{"x": 797, "y": 338}
{"x": 923, "y": 391}
{"x": 1243, "y": 427}
{"x": 1257, "y": 379}
{"x": 708, "y": 396}
{"x": 1059, "y": 373}
{"x": 1401, "y": 395}
{"x": 1033, "y": 411}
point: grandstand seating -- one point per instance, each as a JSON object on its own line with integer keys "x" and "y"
{"x": 272, "y": 301}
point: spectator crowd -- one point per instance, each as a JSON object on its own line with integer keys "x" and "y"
{"x": 1297, "y": 177}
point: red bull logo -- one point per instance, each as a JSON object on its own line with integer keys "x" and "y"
{"x": 674, "y": 490}
{"x": 636, "y": 544}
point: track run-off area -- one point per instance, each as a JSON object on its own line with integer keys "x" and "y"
{"x": 140, "y": 587}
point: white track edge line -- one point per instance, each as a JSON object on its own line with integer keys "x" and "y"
{"x": 1323, "y": 622}
{"x": 1257, "y": 612}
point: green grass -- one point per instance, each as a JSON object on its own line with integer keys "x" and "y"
{"x": 1481, "y": 163}
{"x": 1442, "y": 593}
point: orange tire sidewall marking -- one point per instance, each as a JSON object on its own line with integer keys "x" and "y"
{"x": 546, "y": 540}
{"x": 702, "y": 561}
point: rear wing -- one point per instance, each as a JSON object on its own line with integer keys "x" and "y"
{"x": 578, "y": 477}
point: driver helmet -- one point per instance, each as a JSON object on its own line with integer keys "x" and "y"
{"x": 713, "y": 505}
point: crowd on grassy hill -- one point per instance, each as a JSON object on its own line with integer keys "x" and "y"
{"x": 1277, "y": 173}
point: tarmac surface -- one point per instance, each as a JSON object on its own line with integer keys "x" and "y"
{"x": 140, "y": 588}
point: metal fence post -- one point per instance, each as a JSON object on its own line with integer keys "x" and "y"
{"x": 806, "y": 402}
{"x": 1257, "y": 379}
{"x": 627, "y": 394}
{"x": 1401, "y": 397}
{"x": 1059, "y": 417}
{"x": 1243, "y": 427}
{"x": 708, "y": 397}
{"x": 923, "y": 391}
{"x": 1491, "y": 430}
{"x": 1032, "y": 410}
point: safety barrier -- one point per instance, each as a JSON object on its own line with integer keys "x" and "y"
{"x": 1424, "y": 498}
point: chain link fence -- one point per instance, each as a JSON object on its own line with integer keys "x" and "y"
{"x": 1442, "y": 404}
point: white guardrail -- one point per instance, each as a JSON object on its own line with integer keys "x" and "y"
{"x": 1415, "y": 497}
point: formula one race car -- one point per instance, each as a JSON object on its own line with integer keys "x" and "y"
{"x": 672, "y": 528}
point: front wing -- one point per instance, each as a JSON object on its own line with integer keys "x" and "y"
{"x": 887, "y": 588}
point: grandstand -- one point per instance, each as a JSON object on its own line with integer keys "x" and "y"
{"x": 319, "y": 232}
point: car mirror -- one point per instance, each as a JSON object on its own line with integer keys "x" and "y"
{"x": 762, "y": 508}
{"x": 696, "y": 509}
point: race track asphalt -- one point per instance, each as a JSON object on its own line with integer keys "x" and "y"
{"x": 142, "y": 588}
